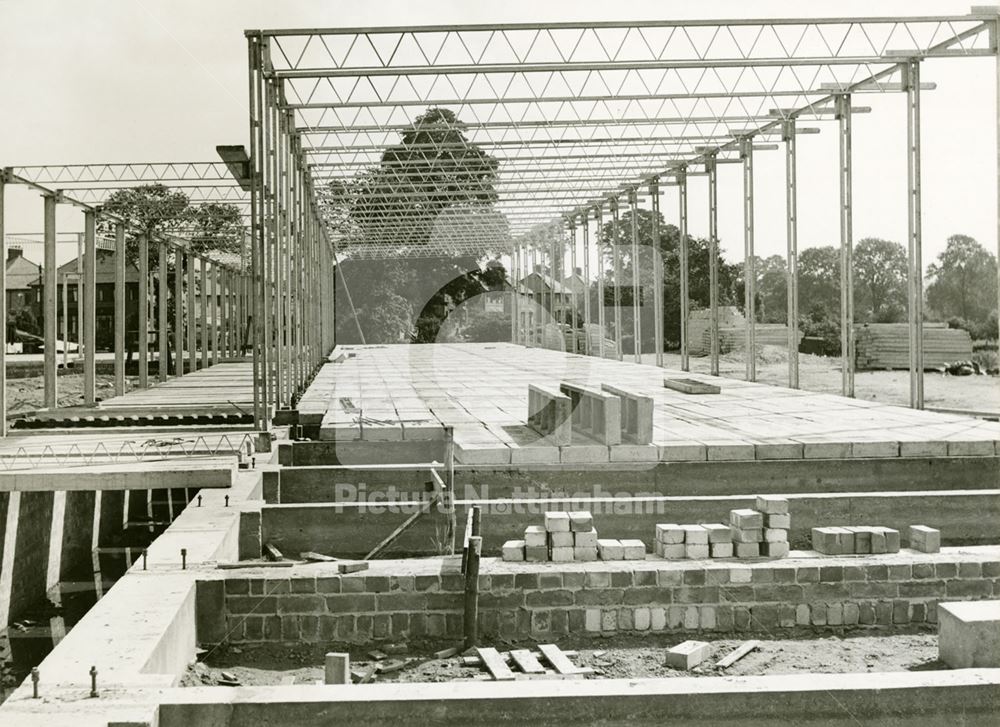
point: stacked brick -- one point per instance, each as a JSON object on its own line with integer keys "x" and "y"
{"x": 855, "y": 540}
{"x": 750, "y": 534}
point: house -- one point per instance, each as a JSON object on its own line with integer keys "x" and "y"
{"x": 21, "y": 273}
{"x": 549, "y": 293}
{"x": 68, "y": 277}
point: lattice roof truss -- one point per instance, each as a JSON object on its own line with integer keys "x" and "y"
{"x": 575, "y": 114}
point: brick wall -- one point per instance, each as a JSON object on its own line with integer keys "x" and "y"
{"x": 547, "y": 601}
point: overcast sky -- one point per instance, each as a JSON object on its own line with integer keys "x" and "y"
{"x": 152, "y": 80}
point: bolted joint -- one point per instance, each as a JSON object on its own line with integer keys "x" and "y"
{"x": 746, "y": 146}
{"x": 841, "y": 105}
{"x": 788, "y": 129}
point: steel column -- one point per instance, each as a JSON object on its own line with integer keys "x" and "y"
{"x": 214, "y": 307}
{"x": 49, "y": 313}
{"x": 120, "y": 263}
{"x": 574, "y": 295}
{"x": 657, "y": 260}
{"x": 143, "y": 304}
{"x": 585, "y": 228}
{"x": 162, "y": 334}
{"x": 3, "y": 309}
{"x": 749, "y": 260}
{"x": 846, "y": 248}
{"x": 89, "y": 308}
{"x": 190, "y": 316}
{"x": 915, "y": 308}
{"x": 636, "y": 313}
{"x": 684, "y": 266}
{"x": 616, "y": 264}
{"x": 203, "y": 309}
{"x": 601, "y": 298}
{"x": 791, "y": 253}
{"x": 713, "y": 261}
{"x": 257, "y": 215}
{"x": 178, "y": 312}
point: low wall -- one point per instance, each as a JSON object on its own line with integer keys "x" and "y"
{"x": 970, "y": 697}
{"x": 403, "y": 599}
{"x": 351, "y": 529}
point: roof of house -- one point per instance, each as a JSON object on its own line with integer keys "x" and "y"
{"x": 21, "y": 273}
{"x": 105, "y": 272}
{"x": 547, "y": 281}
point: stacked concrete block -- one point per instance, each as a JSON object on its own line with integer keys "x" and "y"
{"x": 777, "y": 521}
{"x": 855, "y": 540}
{"x": 720, "y": 540}
{"x": 669, "y": 541}
{"x": 925, "y": 539}
{"x": 747, "y": 528}
{"x": 692, "y": 541}
{"x": 565, "y": 537}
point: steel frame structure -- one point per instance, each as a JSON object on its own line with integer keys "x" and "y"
{"x": 86, "y": 186}
{"x": 584, "y": 118}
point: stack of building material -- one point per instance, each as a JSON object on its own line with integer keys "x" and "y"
{"x": 776, "y": 524}
{"x": 855, "y": 540}
{"x": 747, "y": 527}
{"x": 565, "y": 537}
{"x": 887, "y": 345}
{"x": 694, "y": 541}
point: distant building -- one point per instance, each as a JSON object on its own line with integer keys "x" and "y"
{"x": 21, "y": 273}
{"x": 67, "y": 276}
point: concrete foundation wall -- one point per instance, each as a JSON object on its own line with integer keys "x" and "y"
{"x": 31, "y": 552}
{"x": 551, "y": 600}
{"x": 966, "y": 697}
{"x": 78, "y": 530}
{"x": 351, "y": 529}
{"x": 300, "y": 454}
{"x": 318, "y": 484}
{"x": 112, "y": 516}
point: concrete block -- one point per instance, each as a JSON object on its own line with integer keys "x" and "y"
{"x": 778, "y": 521}
{"x": 513, "y": 551}
{"x": 557, "y": 522}
{"x": 774, "y": 550}
{"x": 832, "y": 540}
{"x": 634, "y": 453}
{"x": 696, "y": 551}
{"x": 746, "y": 519}
{"x": 718, "y": 532}
{"x": 337, "y": 669}
{"x": 657, "y": 619}
{"x": 730, "y": 451}
{"x": 581, "y": 521}
{"x": 634, "y": 549}
{"x": 609, "y": 620}
{"x": 586, "y": 539}
{"x": 585, "y": 553}
{"x": 826, "y": 450}
{"x": 878, "y": 541}
{"x": 775, "y": 535}
{"x": 534, "y": 536}
{"x": 747, "y": 550}
{"x": 683, "y": 452}
{"x": 892, "y": 540}
{"x": 671, "y": 551}
{"x": 746, "y": 536}
{"x": 584, "y": 454}
{"x": 669, "y": 533}
{"x": 641, "y": 619}
{"x": 969, "y": 634}
{"x": 721, "y": 550}
{"x": 862, "y": 539}
{"x": 536, "y": 553}
{"x": 925, "y": 539}
{"x": 561, "y": 539}
{"x": 610, "y": 549}
{"x": 771, "y": 505}
{"x": 688, "y": 654}
{"x": 695, "y": 534}
{"x": 561, "y": 555}
{"x": 592, "y": 619}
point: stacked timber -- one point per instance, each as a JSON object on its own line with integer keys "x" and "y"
{"x": 887, "y": 345}
{"x": 732, "y": 331}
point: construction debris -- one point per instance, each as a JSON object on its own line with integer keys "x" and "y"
{"x": 736, "y": 654}
{"x": 316, "y": 557}
{"x": 272, "y": 553}
{"x": 688, "y": 654}
{"x": 351, "y": 567}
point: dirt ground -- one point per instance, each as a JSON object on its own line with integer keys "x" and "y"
{"x": 616, "y": 657}
{"x": 822, "y": 374}
{"x": 24, "y": 395}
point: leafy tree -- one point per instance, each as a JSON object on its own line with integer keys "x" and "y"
{"x": 880, "y": 280}
{"x": 772, "y": 289}
{"x": 819, "y": 277}
{"x": 433, "y": 190}
{"x": 963, "y": 281}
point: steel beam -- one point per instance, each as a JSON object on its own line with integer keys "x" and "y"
{"x": 791, "y": 255}
{"x": 89, "y": 291}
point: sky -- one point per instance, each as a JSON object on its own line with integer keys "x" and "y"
{"x": 159, "y": 80}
